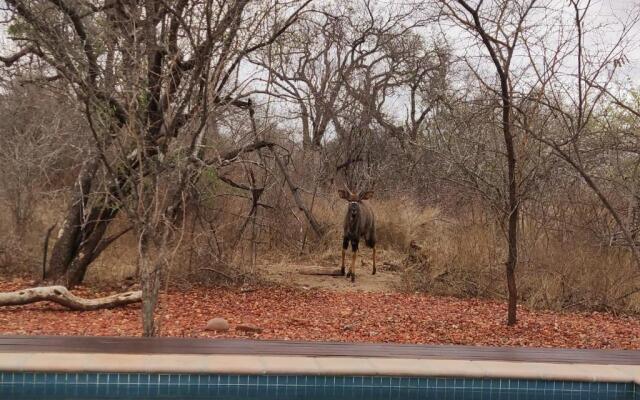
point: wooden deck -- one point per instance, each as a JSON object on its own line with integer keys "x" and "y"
{"x": 134, "y": 345}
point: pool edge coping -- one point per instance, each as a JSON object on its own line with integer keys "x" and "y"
{"x": 312, "y": 365}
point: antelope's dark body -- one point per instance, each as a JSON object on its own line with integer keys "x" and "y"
{"x": 359, "y": 223}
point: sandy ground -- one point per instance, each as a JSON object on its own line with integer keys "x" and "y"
{"x": 293, "y": 274}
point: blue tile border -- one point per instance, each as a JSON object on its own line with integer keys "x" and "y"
{"x": 27, "y": 385}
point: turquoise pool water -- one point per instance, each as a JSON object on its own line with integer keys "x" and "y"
{"x": 71, "y": 386}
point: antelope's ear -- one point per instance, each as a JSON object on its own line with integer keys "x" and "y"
{"x": 343, "y": 194}
{"x": 366, "y": 195}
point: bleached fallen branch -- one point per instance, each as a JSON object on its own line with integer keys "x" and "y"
{"x": 62, "y": 296}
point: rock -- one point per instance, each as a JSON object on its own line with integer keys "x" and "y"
{"x": 346, "y": 312}
{"x": 218, "y": 325}
{"x": 249, "y": 328}
{"x": 299, "y": 321}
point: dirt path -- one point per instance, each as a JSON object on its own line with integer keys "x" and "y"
{"x": 290, "y": 274}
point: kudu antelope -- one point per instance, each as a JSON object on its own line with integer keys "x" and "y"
{"x": 358, "y": 223}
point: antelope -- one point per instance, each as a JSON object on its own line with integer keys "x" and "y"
{"x": 358, "y": 223}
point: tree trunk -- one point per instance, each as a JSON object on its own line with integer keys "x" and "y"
{"x": 66, "y": 246}
{"x": 150, "y": 278}
{"x": 306, "y": 135}
{"x": 60, "y": 295}
{"x": 513, "y": 201}
{"x": 152, "y": 270}
{"x": 91, "y": 246}
{"x": 512, "y": 260}
{"x": 45, "y": 250}
{"x": 514, "y": 208}
{"x": 81, "y": 237}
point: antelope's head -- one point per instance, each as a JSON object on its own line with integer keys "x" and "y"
{"x": 353, "y": 211}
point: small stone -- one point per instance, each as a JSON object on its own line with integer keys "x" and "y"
{"x": 217, "y": 324}
{"x": 248, "y": 328}
{"x": 347, "y": 327}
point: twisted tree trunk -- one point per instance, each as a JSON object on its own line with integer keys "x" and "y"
{"x": 68, "y": 238}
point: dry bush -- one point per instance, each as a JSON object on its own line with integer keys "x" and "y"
{"x": 13, "y": 259}
{"x": 22, "y": 255}
{"x": 39, "y": 148}
{"x": 118, "y": 262}
{"x": 576, "y": 275}
{"x": 455, "y": 259}
{"x": 466, "y": 260}
{"x": 398, "y": 222}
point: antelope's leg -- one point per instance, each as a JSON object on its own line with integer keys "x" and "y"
{"x": 352, "y": 270}
{"x": 374, "y": 261}
{"x": 345, "y": 245}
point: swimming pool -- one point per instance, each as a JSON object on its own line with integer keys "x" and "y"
{"x": 71, "y": 386}
{"x": 74, "y": 368}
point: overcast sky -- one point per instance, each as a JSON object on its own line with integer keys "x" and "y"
{"x": 612, "y": 10}
{"x": 608, "y": 12}
{"x": 609, "y": 16}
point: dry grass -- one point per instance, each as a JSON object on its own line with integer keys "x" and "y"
{"x": 20, "y": 253}
{"x": 575, "y": 274}
{"x": 465, "y": 259}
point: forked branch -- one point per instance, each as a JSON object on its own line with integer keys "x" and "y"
{"x": 10, "y": 60}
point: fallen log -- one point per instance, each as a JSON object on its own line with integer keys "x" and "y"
{"x": 62, "y": 296}
{"x": 320, "y": 271}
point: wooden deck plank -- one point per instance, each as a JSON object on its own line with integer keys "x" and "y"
{"x": 135, "y": 345}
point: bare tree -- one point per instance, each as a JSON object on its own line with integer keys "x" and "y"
{"x": 350, "y": 72}
{"x": 147, "y": 81}
{"x": 575, "y": 104}
{"x": 38, "y": 143}
{"x": 498, "y": 28}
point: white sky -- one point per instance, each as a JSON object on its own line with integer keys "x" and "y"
{"x": 610, "y": 10}
{"x": 603, "y": 24}
{"x": 609, "y": 13}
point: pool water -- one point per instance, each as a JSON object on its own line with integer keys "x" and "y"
{"x": 69, "y": 386}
